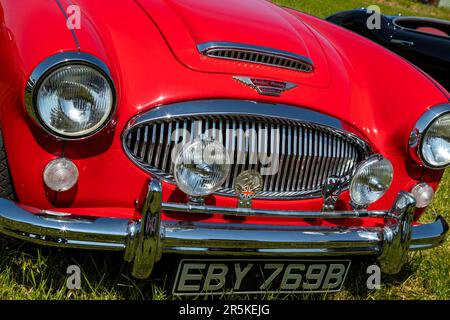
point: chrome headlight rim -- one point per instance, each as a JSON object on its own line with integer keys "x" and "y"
{"x": 54, "y": 63}
{"x": 417, "y": 135}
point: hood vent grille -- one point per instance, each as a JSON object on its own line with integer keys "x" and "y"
{"x": 255, "y": 54}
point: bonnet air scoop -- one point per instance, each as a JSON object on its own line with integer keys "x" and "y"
{"x": 256, "y": 54}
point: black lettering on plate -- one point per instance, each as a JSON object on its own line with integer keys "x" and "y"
{"x": 253, "y": 276}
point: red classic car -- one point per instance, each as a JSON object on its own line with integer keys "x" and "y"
{"x": 213, "y": 128}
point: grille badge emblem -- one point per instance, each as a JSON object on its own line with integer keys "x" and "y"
{"x": 248, "y": 184}
{"x": 265, "y": 86}
{"x": 331, "y": 191}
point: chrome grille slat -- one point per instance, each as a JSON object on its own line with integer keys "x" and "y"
{"x": 297, "y": 153}
{"x": 240, "y": 151}
{"x": 282, "y": 160}
{"x": 344, "y": 160}
{"x": 160, "y": 145}
{"x": 269, "y": 147}
{"x": 354, "y": 155}
{"x": 341, "y": 157}
{"x": 254, "y": 146}
{"x": 262, "y": 143}
{"x": 314, "y": 158}
{"x": 246, "y": 147}
{"x": 145, "y": 144}
{"x": 229, "y": 148}
{"x": 152, "y": 145}
{"x": 138, "y": 138}
{"x": 323, "y": 169}
{"x": 291, "y": 158}
{"x": 302, "y": 156}
{"x": 334, "y": 159}
{"x": 167, "y": 147}
{"x": 327, "y": 157}
{"x": 286, "y": 176}
{"x": 247, "y": 139}
{"x": 308, "y": 153}
{"x": 319, "y": 165}
{"x": 273, "y": 151}
{"x": 308, "y": 156}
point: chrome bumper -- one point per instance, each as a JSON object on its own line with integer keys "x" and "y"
{"x": 144, "y": 241}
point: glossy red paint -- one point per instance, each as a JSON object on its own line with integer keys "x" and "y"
{"x": 150, "y": 49}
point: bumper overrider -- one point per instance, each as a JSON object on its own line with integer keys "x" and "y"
{"x": 144, "y": 241}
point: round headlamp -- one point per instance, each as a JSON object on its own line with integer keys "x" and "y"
{"x": 371, "y": 180}
{"x": 430, "y": 140}
{"x": 201, "y": 167}
{"x": 73, "y": 98}
{"x": 435, "y": 147}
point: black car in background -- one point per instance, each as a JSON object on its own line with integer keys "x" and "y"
{"x": 423, "y": 41}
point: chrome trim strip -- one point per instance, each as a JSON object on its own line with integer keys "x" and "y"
{"x": 420, "y": 129}
{"x": 235, "y": 107}
{"x": 249, "y": 212}
{"x": 49, "y": 65}
{"x": 209, "y": 47}
{"x": 72, "y": 30}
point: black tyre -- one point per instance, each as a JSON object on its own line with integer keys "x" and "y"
{"x": 6, "y": 188}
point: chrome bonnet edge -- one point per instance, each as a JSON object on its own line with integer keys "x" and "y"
{"x": 144, "y": 241}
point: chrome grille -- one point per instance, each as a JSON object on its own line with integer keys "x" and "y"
{"x": 256, "y": 54}
{"x": 308, "y": 153}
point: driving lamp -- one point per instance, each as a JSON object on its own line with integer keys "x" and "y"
{"x": 372, "y": 179}
{"x": 201, "y": 167}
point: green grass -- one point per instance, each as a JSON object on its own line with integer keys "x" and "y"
{"x": 324, "y": 8}
{"x": 30, "y": 272}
